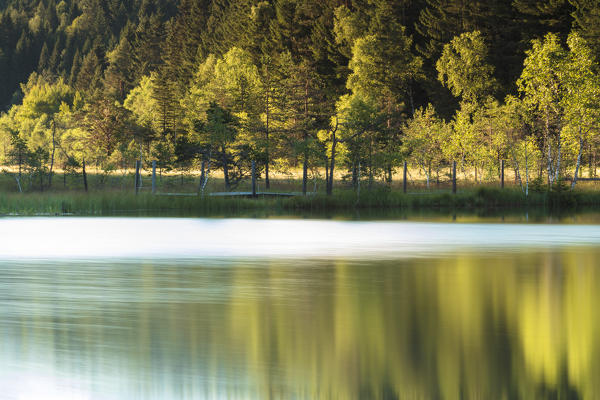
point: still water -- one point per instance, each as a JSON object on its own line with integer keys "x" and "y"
{"x": 126, "y": 308}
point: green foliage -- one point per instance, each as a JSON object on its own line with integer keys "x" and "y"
{"x": 540, "y": 81}
{"x": 358, "y": 120}
{"x": 463, "y": 68}
{"x": 105, "y": 124}
{"x": 143, "y": 105}
{"x": 382, "y": 70}
{"x": 44, "y": 98}
{"x": 424, "y": 135}
{"x": 221, "y": 125}
{"x": 538, "y": 185}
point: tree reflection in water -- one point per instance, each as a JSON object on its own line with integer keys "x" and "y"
{"x": 466, "y": 325}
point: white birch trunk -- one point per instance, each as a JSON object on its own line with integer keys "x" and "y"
{"x": 574, "y": 181}
{"x": 526, "y": 171}
{"x": 558, "y": 156}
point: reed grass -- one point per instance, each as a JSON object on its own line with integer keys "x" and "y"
{"x": 113, "y": 194}
{"x": 343, "y": 200}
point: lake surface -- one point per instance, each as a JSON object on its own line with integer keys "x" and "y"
{"x": 147, "y": 308}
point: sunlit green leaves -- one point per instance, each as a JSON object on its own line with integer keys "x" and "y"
{"x": 463, "y": 67}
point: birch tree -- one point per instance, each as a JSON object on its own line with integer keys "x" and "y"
{"x": 581, "y": 100}
{"x": 542, "y": 86}
{"x": 424, "y": 136}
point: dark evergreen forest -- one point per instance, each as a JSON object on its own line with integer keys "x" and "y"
{"x": 110, "y": 45}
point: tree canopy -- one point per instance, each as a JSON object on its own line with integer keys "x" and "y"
{"x": 298, "y": 81}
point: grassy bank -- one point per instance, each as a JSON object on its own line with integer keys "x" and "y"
{"x": 112, "y": 194}
{"x": 118, "y": 202}
{"x": 473, "y": 198}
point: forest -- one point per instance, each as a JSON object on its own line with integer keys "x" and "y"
{"x": 346, "y": 88}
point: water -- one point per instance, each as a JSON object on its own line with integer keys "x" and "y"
{"x": 119, "y": 308}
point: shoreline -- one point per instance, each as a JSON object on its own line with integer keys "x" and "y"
{"x": 473, "y": 200}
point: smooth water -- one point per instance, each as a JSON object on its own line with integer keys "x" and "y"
{"x": 126, "y": 308}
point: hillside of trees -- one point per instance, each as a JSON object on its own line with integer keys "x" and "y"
{"x": 357, "y": 86}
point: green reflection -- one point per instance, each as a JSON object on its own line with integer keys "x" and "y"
{"x": 520, "y": 325}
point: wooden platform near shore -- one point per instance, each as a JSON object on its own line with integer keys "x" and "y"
{"x": 249, "y": 194}
{"x": 236, "y": 194}
{"x": 177, "y": 194}
{"x": 568, "y": 178}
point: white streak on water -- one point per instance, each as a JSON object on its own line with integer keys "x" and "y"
{"x": 134, "y": 238}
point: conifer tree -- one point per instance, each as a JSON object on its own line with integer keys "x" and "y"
{"x": 55, "y": 56}
{"x": 146, "y": 45}
{"x": 120, "y": 75}
{"x": 89, "y": 77}
{"x": 586, "y": 17}
{"x": 75, "y": 68}
{"x": 43, "y": 63}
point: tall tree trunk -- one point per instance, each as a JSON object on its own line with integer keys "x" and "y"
{"x": 517, "y": 172}
{"x": 267, "y": 178}
{"x": 331, "y": 167}
{"x": 267, "y": 145}
{"x": 326, "y": 173}
{"x": 53, "y": 150}
{"x": 550, "y": 173}
{"x": 549, "y": 149}
{"x": 358, "y": 181}
{"x": 370, "y": 164}
{"x": 427, "y": 172}
{"x": 204, "y": 181}
{"x": 305, "y": 139}
{"x": 526, "y": 171}
{"x": 225, "y": 169}
{"x": 202, "y": 174}
{"x": 558, "y": 157}
{"x": 85, "y": 182}
{"x": 590, "y": 161}
{"x": 305, "y": 167}
{"x": 576, "y": 174}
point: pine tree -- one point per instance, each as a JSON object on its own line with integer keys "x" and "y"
{"x": 440, "y": 21}
{"x": 43, "y": 63}
{"x": 4, "y": 76}
{"x": 169, "y": 108}
{"x": 9, "y": 33}
{"x": 538, "y": 17}
{"x": 55, "y": 57}
{"x": 120, "y": 74}
{"x": 66, "y": 58}
{"x": 587, "y": 21}
{"x": 50, "y": 16}
{"x": 257, "y": 40}
{"x": 184, "y": 45}
{"x": 75, "y": 68}
{"x": 146, "y": 45}
{"x": 309, "y": 69}
{"x": 89, "y": 77}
